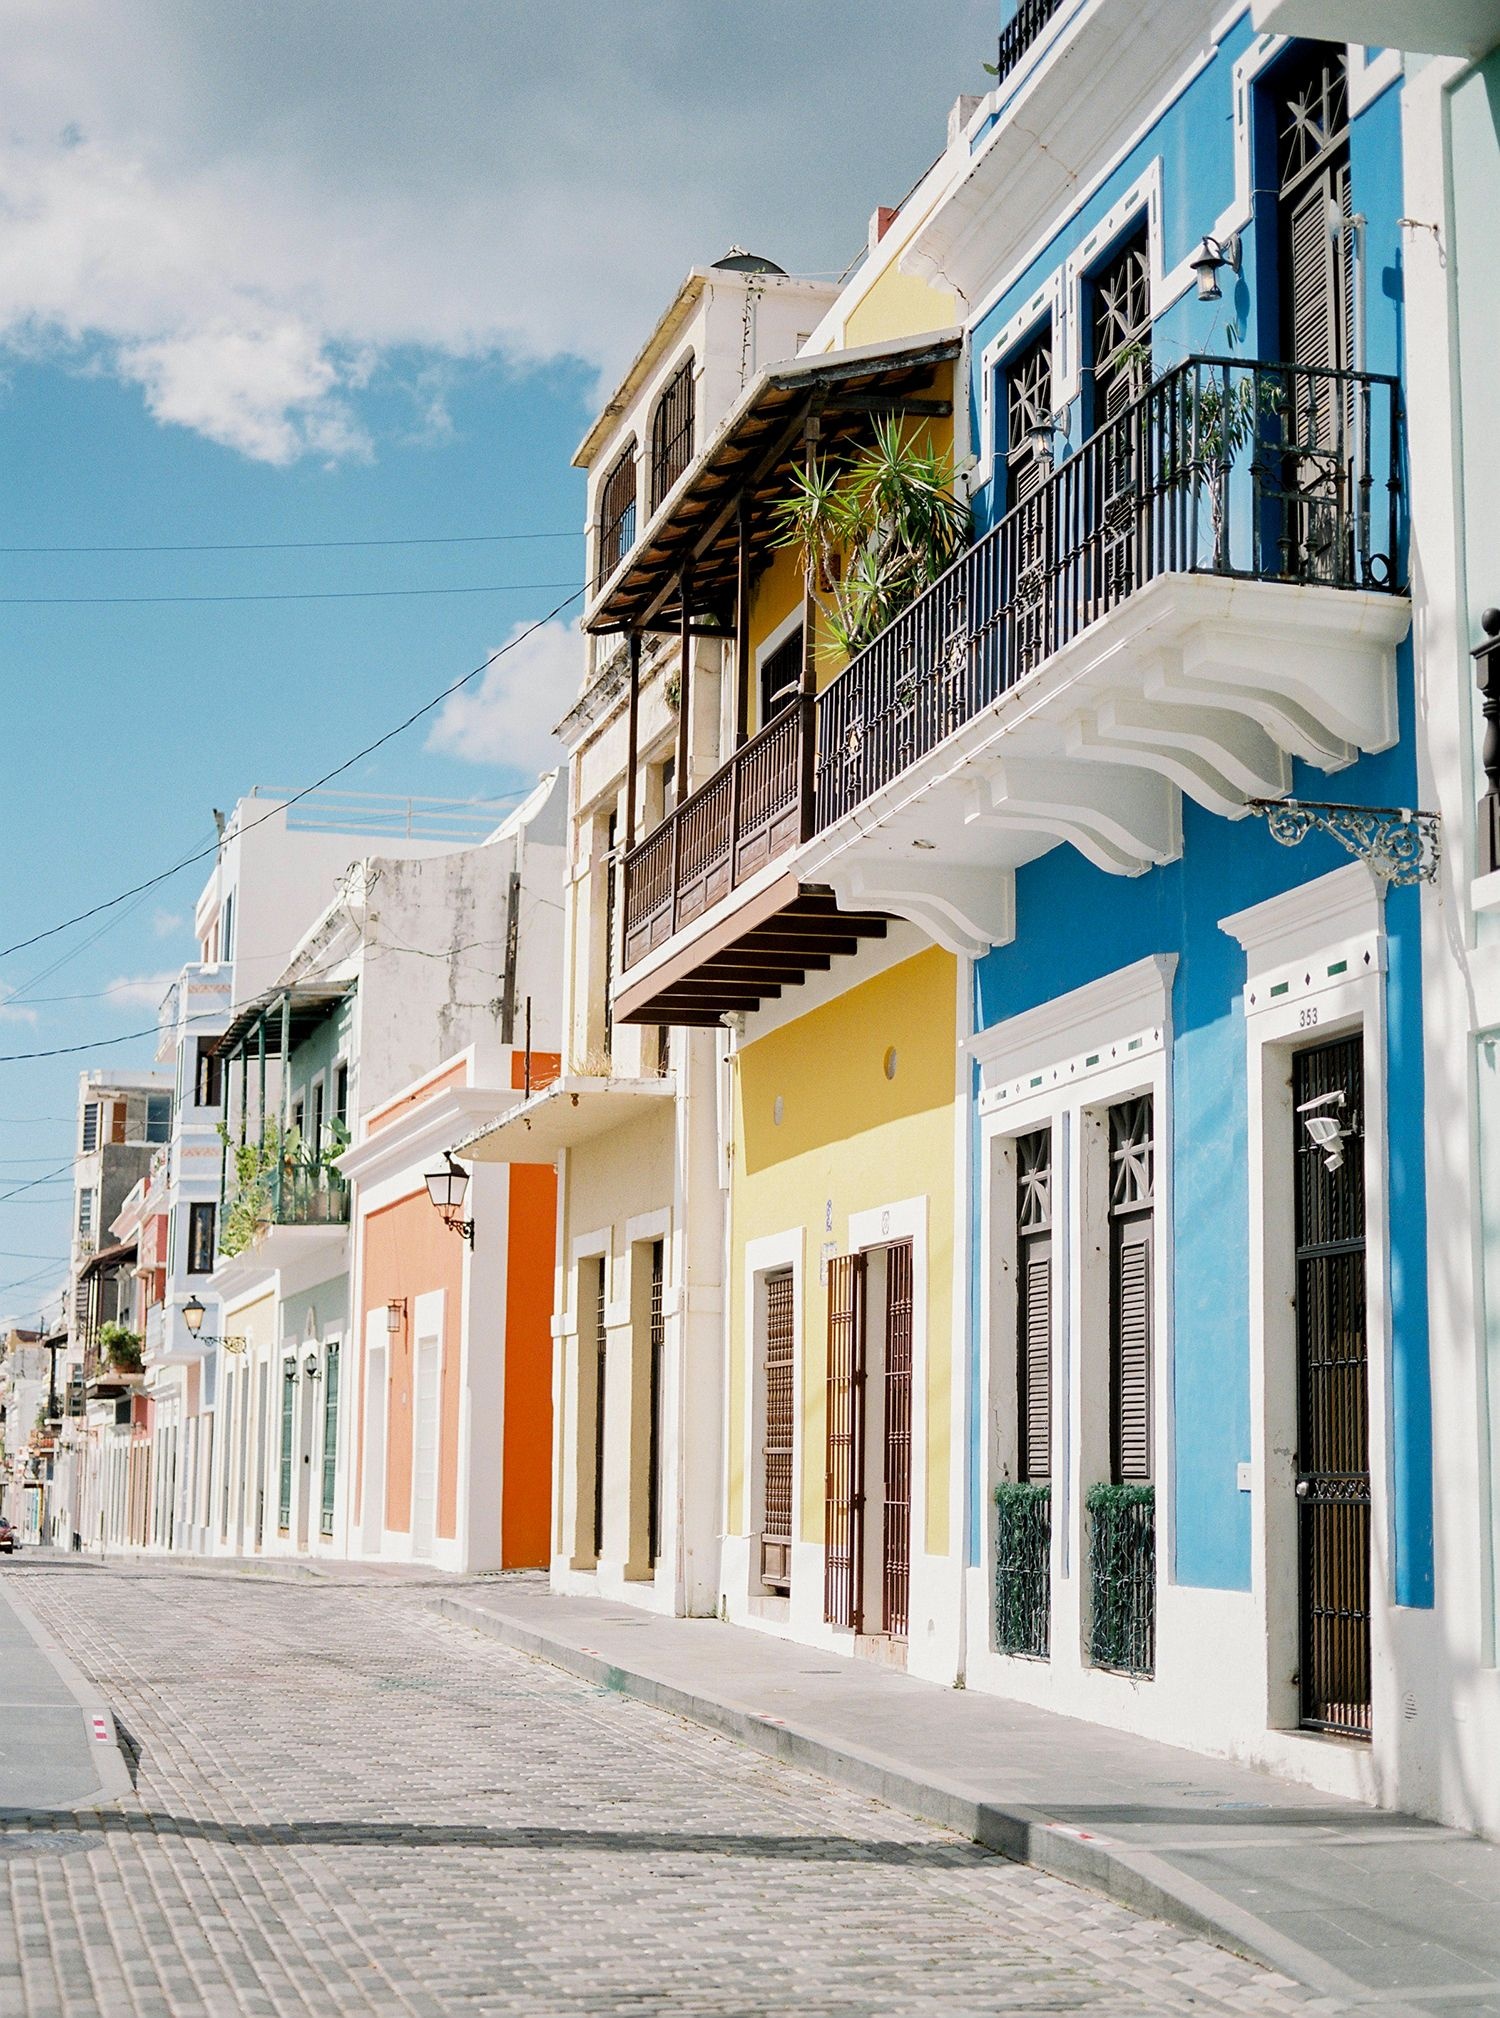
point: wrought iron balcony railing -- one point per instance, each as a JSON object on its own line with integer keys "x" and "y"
{"x": 1018, "y": 34}
{"x": 1226, "y": 467}
{"x": 293, "y": 1189}
{"x": 1023, "y": 1570}
{"x": 1122, "y": 1572}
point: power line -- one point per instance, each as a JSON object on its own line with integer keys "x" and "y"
{"x": 26, "y": 1254}
{"x": 62, "y": 1169}
{"x": 151, "y": 882}
{"x": 299, "y": 546}
{"x": 282, "y": 595}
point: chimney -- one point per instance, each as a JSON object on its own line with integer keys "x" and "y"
{"x": 881, "y": 220}
{"x": 959, "y": 115}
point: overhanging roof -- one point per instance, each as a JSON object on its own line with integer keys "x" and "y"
{"x": 567, "y": 1112}
{"x": 107, "y": 1257}
{"x": 310, "y": 1002}
{"x": 751, "y": 452}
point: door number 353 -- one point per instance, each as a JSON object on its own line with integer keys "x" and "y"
{"x": 1307, "y": 1017}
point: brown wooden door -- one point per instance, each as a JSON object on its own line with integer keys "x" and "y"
{"x": 896, "y": 1537}
{"x": 844, "y": 1496}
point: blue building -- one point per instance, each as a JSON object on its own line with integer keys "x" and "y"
{"x": 1199, "y": 1465}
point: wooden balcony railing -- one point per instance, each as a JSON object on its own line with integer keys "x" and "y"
{"x": 749, "y": 812}
{"x": 1263, "y": 472}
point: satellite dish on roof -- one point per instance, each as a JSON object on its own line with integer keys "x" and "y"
{"x": 737, "y": 260}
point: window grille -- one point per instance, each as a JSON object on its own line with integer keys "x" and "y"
{"x": 672, "y": 433}
{"x": 1034, "y": 1301}
{"x": 90, "y": 1127}
{"x": 1028, "y": 415}
{"x": 617, "y": 504}
{"x": 1121, "y": 327}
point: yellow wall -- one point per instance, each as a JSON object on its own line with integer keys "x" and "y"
{"x": 899, "y": 304}
{"x": 852, "y": 1140}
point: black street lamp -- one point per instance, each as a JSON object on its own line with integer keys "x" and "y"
{"x": 447, "y": 1188}
{"x": 193, "y": 1314}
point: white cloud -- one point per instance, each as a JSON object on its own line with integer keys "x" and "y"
{"x": 140, "y": 991}
{"x": 250, "y": 213}
{"x": 165, "y": 923}
{"x": 507, "y": 719}
{"x": 14, "y": 1012}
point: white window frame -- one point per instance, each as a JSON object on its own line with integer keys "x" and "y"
{"x": 1063, "y": 1064}
{"x": 1315, "y": 962}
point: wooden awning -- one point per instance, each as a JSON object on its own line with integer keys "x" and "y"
{"x": 759, "y": 441}
{"x": 737, "y": 961}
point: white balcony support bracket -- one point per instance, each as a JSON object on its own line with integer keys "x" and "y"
{"x": 1123, "y": 819}
{"x": 1217, "y": 758}
{"x": 968, "y": 910}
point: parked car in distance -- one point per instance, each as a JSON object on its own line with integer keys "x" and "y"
{"x": 9, "y": 1540}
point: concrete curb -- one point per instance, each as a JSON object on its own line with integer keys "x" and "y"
{"x": 105, "y": 1751}
{"x": 1136, "y": 1878}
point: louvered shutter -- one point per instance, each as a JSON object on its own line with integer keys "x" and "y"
{"x": 776, "y": 1529}
{"x": 1035, "y": 1360}
{"x": 843, "y": 1500}
{"x": 1132, "y": 1351}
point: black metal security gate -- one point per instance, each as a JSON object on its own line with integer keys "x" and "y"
{"x": 1333, "y": 1433}
{"x": 600, "y": 1369}
{"x": 656, "y": 1346}
{"x": 896, "y": 1542}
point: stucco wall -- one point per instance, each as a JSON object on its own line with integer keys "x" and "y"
{"x": 850, "y": 1140}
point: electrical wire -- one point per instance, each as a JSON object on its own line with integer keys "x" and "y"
{"x": 282, "y": 595}
{"x": 299, "y": 546}
{"x": 63, "y": 1169}
{"x": 202, "y": 854}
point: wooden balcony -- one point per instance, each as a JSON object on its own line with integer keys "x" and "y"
{"x": 1254, "y": 473}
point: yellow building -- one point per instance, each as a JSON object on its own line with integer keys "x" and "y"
{"x": 837, "y": 1106}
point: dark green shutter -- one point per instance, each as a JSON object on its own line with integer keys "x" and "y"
{"x": 330, "y": 1434}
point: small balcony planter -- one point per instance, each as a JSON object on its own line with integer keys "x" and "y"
{"x": 1122, "y": 1573}
{"x": 1023, "y": 1569}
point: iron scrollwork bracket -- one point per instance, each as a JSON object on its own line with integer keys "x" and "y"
{"x": 1399, "y": 844}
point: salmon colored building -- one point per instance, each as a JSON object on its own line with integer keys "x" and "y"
{"x": 451, "y": 1463}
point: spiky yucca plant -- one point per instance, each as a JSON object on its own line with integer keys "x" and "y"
{"x": 874, "y": 530}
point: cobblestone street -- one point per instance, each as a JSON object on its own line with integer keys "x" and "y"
{"x": 348, "y": 1805}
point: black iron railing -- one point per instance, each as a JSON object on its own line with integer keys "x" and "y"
{"x": 1122, "y": 1572}
{"x": 1018, "y": 34}
{"x": 1263, "y": 472}
{"x": 1255, "y": 472}
{"x": 1023, "y": 1569}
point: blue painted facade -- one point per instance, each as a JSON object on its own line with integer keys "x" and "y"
{"x": 1076, "y": 924}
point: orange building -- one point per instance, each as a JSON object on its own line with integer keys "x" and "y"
{"x": 453, "y": 1397}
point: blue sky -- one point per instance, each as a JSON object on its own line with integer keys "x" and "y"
{"x": 354, "y": 272}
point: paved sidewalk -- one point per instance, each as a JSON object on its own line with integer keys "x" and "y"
{"x": 1373, "y": 1909}
{"x": 58, "y": 1744}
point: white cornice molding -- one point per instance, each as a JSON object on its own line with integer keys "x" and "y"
{"x": 1132, "y": 1000}
{"x": 1346, "y": 904}
{"x": 426, "y": 1129}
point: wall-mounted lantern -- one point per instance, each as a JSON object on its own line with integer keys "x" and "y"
{"x": 448, "y": 1188}
{"x": 310, "y": 1367}
{"x": 1206, "y": 264}
{"x": 395, "y": 1315}
{"x": 193, "y": 1314}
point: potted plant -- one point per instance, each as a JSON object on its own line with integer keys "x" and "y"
{"x": 120, "y": 1347}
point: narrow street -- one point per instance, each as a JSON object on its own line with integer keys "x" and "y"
{"x": 348, "y": 1805}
